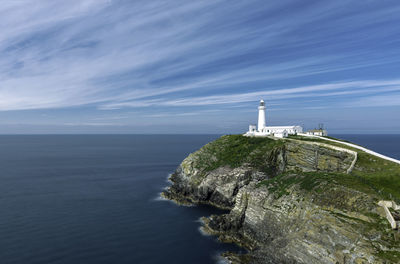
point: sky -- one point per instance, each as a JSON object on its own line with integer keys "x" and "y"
{"x": 177, "y": 67}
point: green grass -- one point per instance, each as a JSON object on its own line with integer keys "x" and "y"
{"x": 343, "y": 140}
{"x": 371, "y": 174}
{"x": 321, "y": 140}
{"x": 235, "y": 150}
{"x": 382, "y": 177}
{"x": 280, "y": 184}
{"x": 314, "y": 181}
{"x": 392, "y": 256}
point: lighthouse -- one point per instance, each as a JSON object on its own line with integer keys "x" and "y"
{"x": 261, "y": 116}
{"x": 275, "y": 131}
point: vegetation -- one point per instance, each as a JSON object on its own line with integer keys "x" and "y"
{"x": 321, "y": 140}
{"x": 349, "y": 197}
{"x": 235, "y": 150}
{"x": 343, "y": 140}
{"x": 381, "y": 175}
{"x": 392, "y": 256}
{"x": 371, "y": 174}
{"x": 313, "y": 181}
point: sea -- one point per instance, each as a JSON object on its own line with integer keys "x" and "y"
{"x": 95, "y": 199}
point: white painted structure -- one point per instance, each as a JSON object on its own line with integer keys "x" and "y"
{"x": 261, "y": 115}
{"x": 281, "y": 134}
{"x": 390, "y": 204}
{"x": 252, "y": 128}
{"x": 317, "y": 132}
{"x": 278, "y": 131}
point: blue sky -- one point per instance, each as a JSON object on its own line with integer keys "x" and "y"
{"x": 119, "y": 66}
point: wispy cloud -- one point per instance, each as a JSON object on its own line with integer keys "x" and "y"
{"x": 116, "y": 54}
{"x": 99, "y": 124}
{"x": 322, "y": 91}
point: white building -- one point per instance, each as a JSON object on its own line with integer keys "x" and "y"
{"x": 277, "y": 131}
{"x": 281, "y": 134}
{"x": 317, "y": 132}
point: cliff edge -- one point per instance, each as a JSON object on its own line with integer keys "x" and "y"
{"x": 294, "y": 200}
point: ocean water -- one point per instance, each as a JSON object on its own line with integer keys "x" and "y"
{"x": 388, "y": 145}
{"x": 95, "y": 199}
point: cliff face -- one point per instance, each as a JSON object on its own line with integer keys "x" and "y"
{"x": 290, "y": 201}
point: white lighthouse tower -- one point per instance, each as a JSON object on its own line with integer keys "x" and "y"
{"x": 276, "y": 131}
{"x": 261, "y": 116}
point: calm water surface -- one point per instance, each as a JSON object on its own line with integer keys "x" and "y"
{"x": 388, "y": 145}
{"x": 95, "y": 199}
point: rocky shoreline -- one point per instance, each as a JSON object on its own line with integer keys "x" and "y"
{"x": 284, "y": 207}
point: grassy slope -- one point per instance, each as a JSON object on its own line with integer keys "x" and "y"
{"x": 235, "y": 150}
{"x": 371, "y": 174}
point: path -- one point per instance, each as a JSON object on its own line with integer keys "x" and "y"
{"x": 355, "y": 146}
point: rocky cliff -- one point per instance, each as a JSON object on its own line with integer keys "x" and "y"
{"x": 290, "y": 201}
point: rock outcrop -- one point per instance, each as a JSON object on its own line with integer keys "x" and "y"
{"x": 290, "y": 201}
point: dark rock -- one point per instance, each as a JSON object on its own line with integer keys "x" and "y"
{"x": 284, "y": 222}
